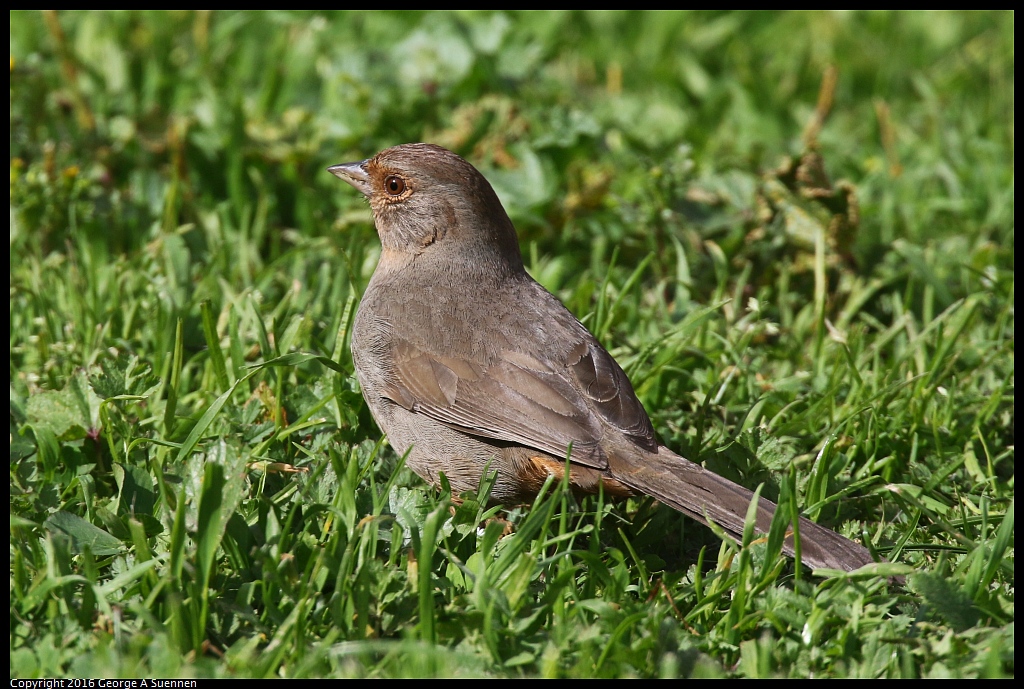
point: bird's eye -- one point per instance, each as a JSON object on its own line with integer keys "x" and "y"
{"x": 394, "y": 185}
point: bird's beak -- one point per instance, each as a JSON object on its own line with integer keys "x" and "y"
{"x": 353, "y": 173}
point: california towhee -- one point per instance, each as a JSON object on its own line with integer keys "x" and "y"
{"x": 470, "y": 366}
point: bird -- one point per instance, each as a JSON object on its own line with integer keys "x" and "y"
{"x": 470, "y": 366}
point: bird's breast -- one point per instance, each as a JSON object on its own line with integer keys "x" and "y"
{"x": 450, "y": 313}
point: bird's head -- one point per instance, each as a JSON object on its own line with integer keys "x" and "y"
{"x": 426, "y": 199}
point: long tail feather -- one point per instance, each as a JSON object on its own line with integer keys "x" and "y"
{"x": 705, "y": 496}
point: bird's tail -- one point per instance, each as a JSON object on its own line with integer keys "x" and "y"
{"x": 706, "y": 496}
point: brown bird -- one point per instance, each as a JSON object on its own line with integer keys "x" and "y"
{"x": 470, "y": 366}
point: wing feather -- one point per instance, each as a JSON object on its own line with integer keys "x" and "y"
{"x": 520, "y": 399}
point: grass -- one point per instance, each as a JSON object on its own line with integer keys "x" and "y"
{"x": 794, "y": 231}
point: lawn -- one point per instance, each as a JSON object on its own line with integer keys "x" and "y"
{"x": 793, "y": 231}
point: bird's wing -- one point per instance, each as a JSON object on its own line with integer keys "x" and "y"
{"x": 521, "y": 399}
